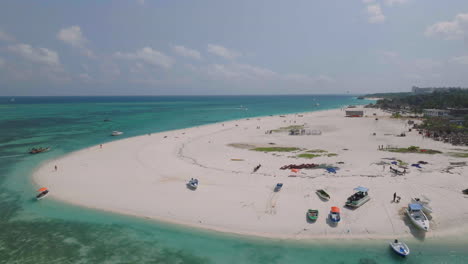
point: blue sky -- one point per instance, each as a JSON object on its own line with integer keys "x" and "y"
{"x": 150, "y": 47}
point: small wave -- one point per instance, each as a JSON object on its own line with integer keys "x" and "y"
{"x": 11, "y": 156}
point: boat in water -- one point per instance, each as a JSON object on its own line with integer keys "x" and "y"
{"x": 417, "y": 216}
{"x": 193, "y": 184}
{"x": 116, "y": 133}
{"x": 424, "y": 202}
{"x": 334, "y": 215}
{"x": 359, "y": 198}
{"x": 400, "y": 248}
{"x": 323, "y": 194}
{"x": 38, "y": 150}
{"x": 312, "y": 215}
{"x": 43, "y": 192}
{"x": 278, "y": 187}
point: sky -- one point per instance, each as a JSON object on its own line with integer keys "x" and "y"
{"x": 217, "y": 47}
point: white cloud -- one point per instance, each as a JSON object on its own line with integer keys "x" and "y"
{"x": 455, "y": 29}
{"x": 6, "y": 37}
{"x": 141, "y": 2}
{"x": 85, "y": 77}
{"x": 395, "y": 2}
{"x": 368, "y": 1}
{"x": 38, "y": 55}
{"x": 74, "y": 37}
{"x": 148, "y": 56}
{"x": 2, "y": 62}
{"x": 375, "y": 13}
{"x": 223, "y": 52}
{"x": 186, "y": 52}
{"x": 460, "y": 60}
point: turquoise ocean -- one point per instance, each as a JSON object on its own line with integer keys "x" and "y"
{"x": 53, "y": 232}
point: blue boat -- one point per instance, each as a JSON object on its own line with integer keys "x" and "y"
{"x": 278, "y": 187}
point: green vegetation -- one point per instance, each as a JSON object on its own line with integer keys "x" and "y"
{"x": 458, "y": 154}
{"x": 332, "y": 155}
{"x": 387, "y": 95}
{"x": 396, "y": 115}
{"x": 276, "y": 149}
{"x": 413, "y": 149}
{"x": 308, "y": 155}
{"x": 316, "y": 151}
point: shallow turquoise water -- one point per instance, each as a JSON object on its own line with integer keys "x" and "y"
{"x": 52, "y": 232}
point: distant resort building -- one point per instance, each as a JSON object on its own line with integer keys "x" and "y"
{"x": 436, "y": 112}
{"x": 428, "y": 90}
{"x": 354, "y": 113}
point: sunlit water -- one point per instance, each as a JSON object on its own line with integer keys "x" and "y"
{"x": 53, "y": 232}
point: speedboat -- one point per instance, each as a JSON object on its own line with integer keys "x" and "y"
{"x": 424, "y": 202}
{"x": 400, "y": 248}
{"x": 359, "y": 198}
{"x": 43, "y": 192}
{"x": 38, "y": 150}
{"x": 334, "y": 215}
{"x": 417, "y": 217}
{"x": 323, "y": 194}
{"x": 312, "y": 215}
{"x": 193, "y": 184}
{"x": 116, "y": 133}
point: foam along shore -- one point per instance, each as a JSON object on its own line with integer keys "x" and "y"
{"x": 146, "y": 176}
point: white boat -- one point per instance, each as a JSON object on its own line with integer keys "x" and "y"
{"x": 424, "y": 202}
{"x": 359, "y": 198}
{"x": 400, "y": 248}
{"x": 417, "y": 216}
{"x": 116, "y": 133}
{"x": 193, "y": 183}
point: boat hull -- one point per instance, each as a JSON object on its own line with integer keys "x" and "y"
{"x": 422, "y": 224}
{"x": 322, "y": 195}
{"x": 359, "y": 202}
{"x": 400, "y": 248}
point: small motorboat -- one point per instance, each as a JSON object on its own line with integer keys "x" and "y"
{"x": 334, "y": 215}
{"x": 312, "y": 215}
{"x": 38, "y": 150}
{"x": 359, "y": 198}
{"x": 400, "y": 248}
{"x": 323, "y": 194}
{"x": 424, "y": 202}
{"x": 278, "y": 187}
{"x": 193, "y": 184}
{"x": 43, "y": 192}
{"x": 116, "y": 133}
{"x": 417, "y": 217}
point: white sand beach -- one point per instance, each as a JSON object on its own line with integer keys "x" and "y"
{"x": 146, "y": 176}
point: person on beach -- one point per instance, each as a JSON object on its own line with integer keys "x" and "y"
{"x": 394, "y": 197}
{"x": 100, "y": 145}
{"x": 55, "y": 167}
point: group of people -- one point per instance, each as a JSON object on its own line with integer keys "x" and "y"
{"x": 301, "y": 166}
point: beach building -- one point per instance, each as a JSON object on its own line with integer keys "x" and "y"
{"x": 354, "y": 113}
{"x": 436, "y": 112}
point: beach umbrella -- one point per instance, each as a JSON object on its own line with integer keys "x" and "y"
{"x": 295, "y": 170}
{"x": 335, "y": 209}
{"x": 42, "y": 189}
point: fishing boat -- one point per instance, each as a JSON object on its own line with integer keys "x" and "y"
{"x": 38, "y": 150}
{"x": 116, "y": 133}
{"x": 359, "y": 198}
{"x": 312, "y": 215}
{"x": 417, "y": 216}
{"x": 278, "y": 187}
{"x": 193, "y": 184}
{"x": 323, "y": 194}
{"x": 424, "y": 202}
{"x": 400, "y": 248}
{"x": 334, "y": 215}
{"x": 43, "y": 192}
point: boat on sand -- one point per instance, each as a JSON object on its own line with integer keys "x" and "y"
{"x": 424, "y": 202}
{"x": 312, "y": 215}
{"x": 334, "y": 215}
{"x": 400, "y": 248}
{"x": 417, "y": 217}
{"x": 193, "y": 184}
{"x": 359, "y": 198}
{"x": 278, "y": 187}
{"x": 323, "y": 194}
{"x": 43, "y": 192}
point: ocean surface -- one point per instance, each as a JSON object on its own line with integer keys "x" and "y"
{"x": 53, "y": 232}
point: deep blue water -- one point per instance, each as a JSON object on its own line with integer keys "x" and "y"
{"x": 53, "y": 232}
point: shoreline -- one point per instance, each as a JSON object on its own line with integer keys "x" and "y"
{"x": 178, "y": 147}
